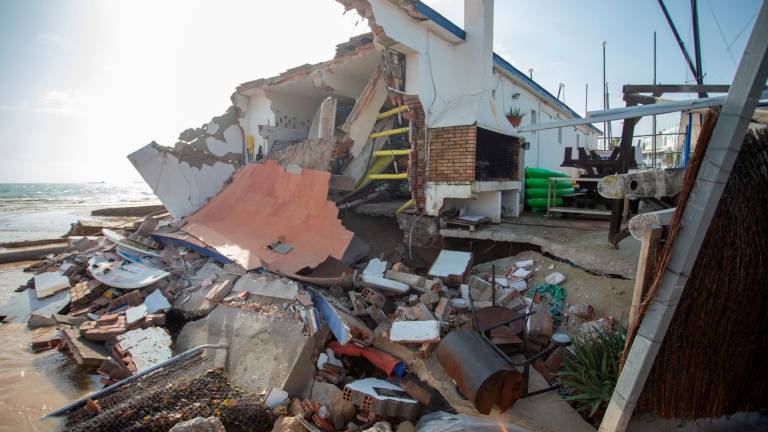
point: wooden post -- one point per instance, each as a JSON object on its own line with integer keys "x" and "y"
{"x": 645, "y": 269}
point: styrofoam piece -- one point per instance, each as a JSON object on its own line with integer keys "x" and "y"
{"x": 135, "y": 313}
{"x": 49, "y": 283}
{"x": 450, "y": 263}
{"x": 369, "y": 386}
{"x": 373, "y": 276}
{"x": 527, "y": 264}
{"x": 275, "y": 397}
{"x": 415, "y": 331}
{"x": 519, "y": 285}
{"x": 555, "y": 278}
{"x": 156, "y": 302}
{"x": 522, "y": 273}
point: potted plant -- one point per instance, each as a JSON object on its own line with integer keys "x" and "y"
{"x": 515, "y": 116}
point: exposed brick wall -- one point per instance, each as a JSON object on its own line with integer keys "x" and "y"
{"x": 417, "y": 161}
{"x": 452, "y": 153}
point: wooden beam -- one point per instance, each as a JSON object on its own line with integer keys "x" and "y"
{"x": 645, "y": 268}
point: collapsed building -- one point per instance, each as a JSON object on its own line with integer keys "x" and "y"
{"x": 390, "y": 116}
{"x": 256, "y": 262}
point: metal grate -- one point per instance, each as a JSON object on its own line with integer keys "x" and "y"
{"x": 191, "y": 388}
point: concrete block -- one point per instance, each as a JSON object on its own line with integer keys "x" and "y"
{"x": 263, "y": 351}
{"x": 415, "y": 331}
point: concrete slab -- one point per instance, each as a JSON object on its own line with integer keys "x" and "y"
{"x": 586, "y": 248}
{"x": 191, "y": 302}
{"x": 384, "y": 208}
{"x": 263, "y": 351}
{"x": 267, "y": 286}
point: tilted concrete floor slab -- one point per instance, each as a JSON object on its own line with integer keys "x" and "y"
{"x": 585, "y": 244}
{"x": 263, "y": 351}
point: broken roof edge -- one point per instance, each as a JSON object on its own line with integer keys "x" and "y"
{"x": 353, "y": 48}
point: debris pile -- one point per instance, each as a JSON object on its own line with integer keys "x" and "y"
{"x": 327, "y": 340}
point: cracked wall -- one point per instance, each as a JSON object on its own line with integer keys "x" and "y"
{"x": 184, "y": 177}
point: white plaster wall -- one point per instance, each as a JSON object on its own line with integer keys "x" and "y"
{"x": 431, "y": 72}
{"x": 289, "y": 115}
{"x": 545, "y": 151}
{"x": 293, "y": 112}
{"x": 182, "y": 188}
{"x": 259, "y": 112}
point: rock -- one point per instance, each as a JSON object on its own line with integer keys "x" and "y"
{"x": 406, "y": 426}
{"x": 288, "y": 424}
{"x": 199, "y": 424}
{"x": 380, "y": 427}
{"x": 331, "y": 396}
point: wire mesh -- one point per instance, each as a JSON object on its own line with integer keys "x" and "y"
{"x": 179, "y": 392}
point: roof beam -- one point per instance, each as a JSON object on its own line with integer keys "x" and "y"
{"x": 675, "y": 88}
{"x": 632, "y": 112}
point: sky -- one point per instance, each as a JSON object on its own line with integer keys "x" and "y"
{"x": 84, "y": 83}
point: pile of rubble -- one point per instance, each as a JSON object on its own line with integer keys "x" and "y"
{"x": 112, "y": 296}
{"x": 329, "y": 340}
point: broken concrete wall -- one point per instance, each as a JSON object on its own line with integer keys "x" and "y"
{"x": 284, "y": 111}
{"x": 262, "y": 351}
{"x": 317, "y": 154}
{"x": 360, "y": 124}
{"x": 186, "y": 176}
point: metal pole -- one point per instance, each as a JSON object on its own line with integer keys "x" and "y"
{"x": 653, "y": 143}
{"x": 697, "y": 45}
{"x": 711, "y": 179}
{"x": 586, "y": 98}
{"x": 679, "y": 40}
{"x": 605, "y": 103}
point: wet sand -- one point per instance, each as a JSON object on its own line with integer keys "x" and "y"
{"x": 32, "y": 384}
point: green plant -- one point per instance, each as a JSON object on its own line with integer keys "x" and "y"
{"x": 590, "y": 375}
{"x": 515, "y": 112}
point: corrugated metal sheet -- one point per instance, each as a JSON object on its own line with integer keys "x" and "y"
{"x": 265, "y": 203}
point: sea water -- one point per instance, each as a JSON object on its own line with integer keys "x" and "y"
{"x": 33, "y": 211}
{"x": 35, "y": 384}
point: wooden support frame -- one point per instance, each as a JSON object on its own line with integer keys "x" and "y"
{"x": 646, "y": 264}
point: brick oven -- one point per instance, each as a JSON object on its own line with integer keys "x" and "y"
{"x": 466, "y": 168}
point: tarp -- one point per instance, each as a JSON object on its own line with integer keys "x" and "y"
{"x": 266, "y": 203}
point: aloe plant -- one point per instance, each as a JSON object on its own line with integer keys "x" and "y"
{"x": 590, "y": 375}
{"x": 516, "y": 112}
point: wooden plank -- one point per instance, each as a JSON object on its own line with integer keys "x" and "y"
{"x": 645, "y": 270}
